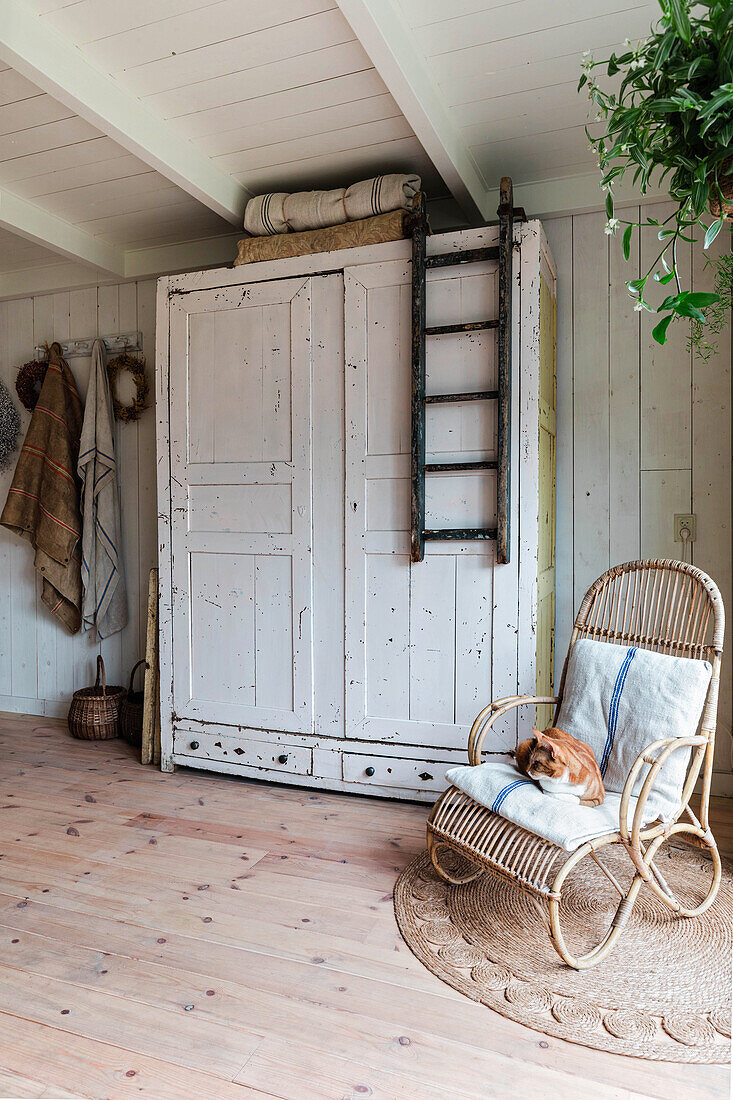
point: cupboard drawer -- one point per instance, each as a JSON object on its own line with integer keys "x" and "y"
{"x": 386, "y": 771}
{"x": 272, "y": 756}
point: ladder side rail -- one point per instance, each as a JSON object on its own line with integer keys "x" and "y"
{"x": 504, "y": 355}
{"x": 417, "y": 540}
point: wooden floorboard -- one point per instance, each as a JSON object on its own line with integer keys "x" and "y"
{"x": 202, "y": 936}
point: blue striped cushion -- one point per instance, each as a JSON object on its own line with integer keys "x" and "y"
{"x": 621, "y": 698}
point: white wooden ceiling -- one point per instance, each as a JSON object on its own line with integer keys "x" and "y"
{"x": 131, "y": 131}
{"x": 509, "y": 74}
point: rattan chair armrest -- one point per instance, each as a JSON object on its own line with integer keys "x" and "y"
{"x": 664, "y": 747}
{"x": 486, "y": 718}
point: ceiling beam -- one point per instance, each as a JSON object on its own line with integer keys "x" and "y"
{"x": 391, "y": 46}
{"x": 55, "y": 64}
{"x": 43, "y": 228}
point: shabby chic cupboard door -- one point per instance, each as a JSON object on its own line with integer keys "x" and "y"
{"x": 418, "y": 637}
{"x": 241, "y": 504}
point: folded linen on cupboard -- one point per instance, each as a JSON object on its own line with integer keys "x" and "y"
{"x": 280, "y": 212}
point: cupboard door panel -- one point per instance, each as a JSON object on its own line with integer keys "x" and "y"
{"x": 241, "y": 443}
{"x": 418, "y": 637}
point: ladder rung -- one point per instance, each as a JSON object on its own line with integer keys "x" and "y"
{"x": 462, "y": 534}
{"x": 469, "y": 326}
{"x": 470, "y": 256}
{"x": 478, "y": 395}
{"x": 443, "y": 467}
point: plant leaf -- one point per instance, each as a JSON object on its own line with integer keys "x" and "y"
{"x": 626, "y": 242}
{"x": 684, "y": 309}
{"x": 712, "y": 232}
{"x": 609, "y": 205}
{"x": 702, "y": 298}
{"x": 680, "y": 19}
{"x": 659, "y": 332}
{"x": 700, "y": 192}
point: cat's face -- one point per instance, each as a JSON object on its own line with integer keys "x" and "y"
{"x": 544, "y": 759}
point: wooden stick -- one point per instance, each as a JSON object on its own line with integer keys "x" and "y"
{"x": 147, "y": 749}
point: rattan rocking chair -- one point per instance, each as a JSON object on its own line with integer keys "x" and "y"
{"x": 662, "y": 605}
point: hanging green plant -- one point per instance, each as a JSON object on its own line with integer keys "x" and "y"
{"x": 671, "y": 122}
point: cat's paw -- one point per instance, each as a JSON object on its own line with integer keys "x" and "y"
{"x": 568, "y": 798}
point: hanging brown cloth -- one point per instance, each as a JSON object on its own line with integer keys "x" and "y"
{"x": 43, "y": 500}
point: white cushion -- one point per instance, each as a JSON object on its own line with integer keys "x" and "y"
{"x": 620, "y": 698}
{"x": 503, "y": 789}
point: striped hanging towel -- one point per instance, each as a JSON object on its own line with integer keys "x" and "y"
{"x": 43, "y": 499}
{"x": 105, "y": 602}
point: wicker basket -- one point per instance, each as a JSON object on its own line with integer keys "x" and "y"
{"x": 131, "y": 711}
{"x": 94, "y": 713}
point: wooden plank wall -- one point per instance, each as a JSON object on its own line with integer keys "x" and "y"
{"x": 643, "y": 432}
{"x": 40, "y": 663}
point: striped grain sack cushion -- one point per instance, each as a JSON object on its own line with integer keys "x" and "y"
{"x": 378, "y": 195}
{"x": 263, "y": 216}
{"x": 279, "y": 212}
{"x": 314, "y": 210}
{"x": 500, "y": 787}
{"x": 620, "y": 698}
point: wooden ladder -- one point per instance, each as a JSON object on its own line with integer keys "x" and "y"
{"x": 420, "y": 400}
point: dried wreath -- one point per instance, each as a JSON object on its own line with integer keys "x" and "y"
{"x": 29, "y": 381}
{"x": 136, "y": 366}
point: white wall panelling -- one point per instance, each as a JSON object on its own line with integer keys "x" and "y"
{"x": 40, "y": 663}
{"x": 643, "y": 431}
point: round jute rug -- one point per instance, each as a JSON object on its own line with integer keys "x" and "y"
{"x": 663, "y": 993}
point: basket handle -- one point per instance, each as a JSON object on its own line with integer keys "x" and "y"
{"x": 100, "y": 670}
{"x": 142, "y": 661}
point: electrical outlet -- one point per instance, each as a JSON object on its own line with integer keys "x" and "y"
{"x": 690, "y": 522}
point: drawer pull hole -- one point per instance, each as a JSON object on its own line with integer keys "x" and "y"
{"x": 282, "y": 758}
{"x": 369, "y": 772}
{"x": 194, "y": 744}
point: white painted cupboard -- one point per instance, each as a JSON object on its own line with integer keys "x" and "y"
{"x": 298, "y": 642}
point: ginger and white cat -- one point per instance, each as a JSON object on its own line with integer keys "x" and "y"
{"x": 563, "y": 766}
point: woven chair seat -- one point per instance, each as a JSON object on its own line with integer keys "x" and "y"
{"x": 491, "y": 841}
